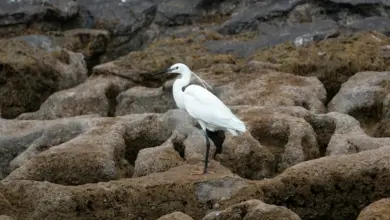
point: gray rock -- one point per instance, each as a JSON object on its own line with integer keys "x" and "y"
{"x": 247, "y": 18}
{"x": 364, "y": 97}
{"x": 141, "y": 99}
{"x": 270, "y": 35}
{"x": 374, "y": 23}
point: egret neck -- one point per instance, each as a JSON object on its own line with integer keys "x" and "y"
{"x": 178, "y": 86}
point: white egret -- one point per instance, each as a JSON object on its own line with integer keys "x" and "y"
{"x": 210, "y": 112}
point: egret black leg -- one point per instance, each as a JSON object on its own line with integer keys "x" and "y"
{"x": 218, "y": 137}
{"x": 206, "y": 159}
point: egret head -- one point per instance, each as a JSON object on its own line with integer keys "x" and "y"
{"x": 178, "y": 68}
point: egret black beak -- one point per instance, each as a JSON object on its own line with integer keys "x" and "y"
{"x": 164, "y": 71}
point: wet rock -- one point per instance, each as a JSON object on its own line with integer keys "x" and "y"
{"x": 251, "y": 210}
{"x": 333, "y": 61}
{"x": 18, "y": 16}
{"x": 376, "y": 210}
{"x": 301, "y": 34}
{"x": 245, "y": 19}
{"x": 178, "y": 12}
{"x": 126, "y": 29}
{"x": 375, "y": 23}
{"x": 175, "y": 216}
{"x": 29, "y": 75}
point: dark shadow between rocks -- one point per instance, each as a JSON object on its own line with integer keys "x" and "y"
{"x": 111, "y": 94}
{"x": 144, "y": 134}
{"x": 324, "y": 130}
{"x": 275, "y": 143}
{"x": 180, "y": 148}
{"x": 369, "y": 118}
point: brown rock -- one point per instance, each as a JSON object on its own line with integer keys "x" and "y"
{"x": 6, "y": 217}
{"x": 345, "y": 134}
{"x": 363, "y": 97}
{"x": 29, "y": 75}
{"x": 125, "y": 198}
{"x": 378, "y": 210}
{"x": 80, "y": 150}
{"x": 97, "y": 95}
{"x": 348, "y": 182}
{"x": 5, "y": 207}
{"x": 142, "y": 99}
{"x": 175, "y": 216}
{"x": 335, "y": 187}
{"x": 333, "y": 61}
{"x": 383, "y": 129}
{"x": 290, "y": 139}
{"x": 92, "y": 43}
{"x": 253, "y": 210}
{"x": 156, "y": 159}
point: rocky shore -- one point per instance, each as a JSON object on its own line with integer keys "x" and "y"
{"x": 310, "y": 79}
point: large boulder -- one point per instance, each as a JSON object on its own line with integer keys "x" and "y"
{"x": 364, "y": 97}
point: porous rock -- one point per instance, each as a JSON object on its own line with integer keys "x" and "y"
{"x": 175, "y": 216}
{"x": 156, "y": 159}
{"x": 29, "y": 75}
{"x": 348, "y": 182}
{"x": 363, "y": 97}
{"x": 253, "y": 210}
{"x": 377, "y": 210}
{"x": 345, "y": 135}
{"x": 280, "y": 139}
{"x": 332, "y": 61}
{"x": 97, "y": 95}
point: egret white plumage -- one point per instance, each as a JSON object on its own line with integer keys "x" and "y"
{"x": 210, "y": 112}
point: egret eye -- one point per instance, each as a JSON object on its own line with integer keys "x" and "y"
{"x": 177, "y": 67}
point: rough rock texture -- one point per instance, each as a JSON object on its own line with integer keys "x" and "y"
{"x": 175, "y": 216}
{"x": 252, "y": 210}
{"x": 96, "y": 149}
{"x": 29, "y": 75}
{"x": 345, "y": 134}
{"x": 106, "y": 144}
{"x": 97, "y": 95}
{"x": 333, "y": 61}
{"x": 335, "y": 187}
{"x": 278, "y": 140}
{"x": 377, "y": 210}
{"x": 364, "y": 96}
